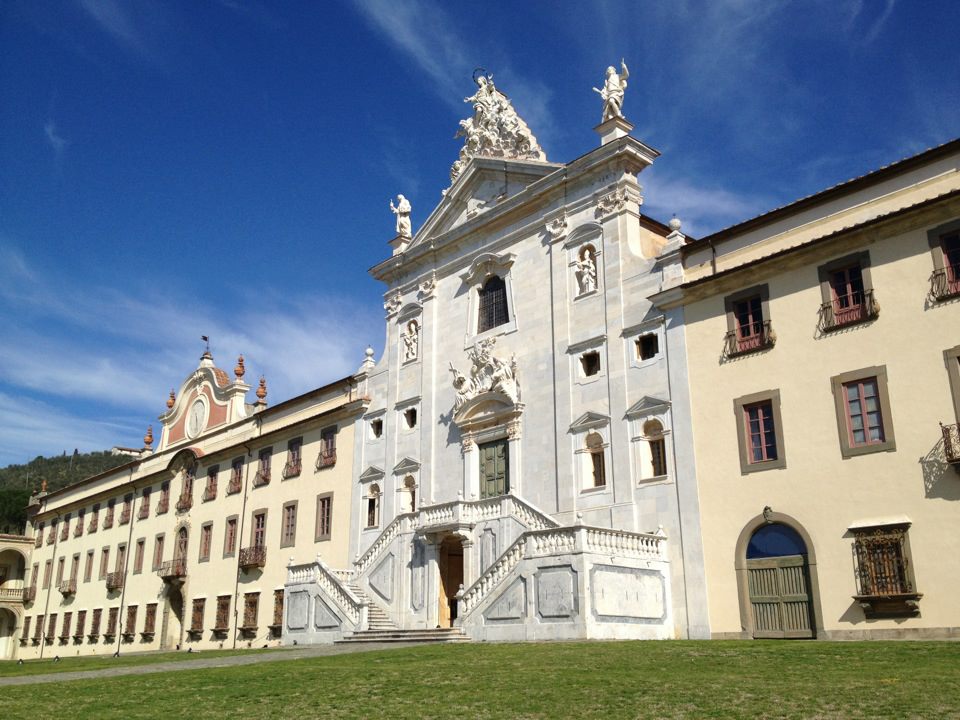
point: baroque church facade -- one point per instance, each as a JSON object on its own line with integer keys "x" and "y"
{"x": 584, "y": 424}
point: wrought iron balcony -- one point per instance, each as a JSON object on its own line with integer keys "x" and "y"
{"x": 184, "y": 503}
{"x": 261, "y": 478}
{"x": 326, "y": 458}
{"x": 234, "y": 485}
{"x": 292, "y": 468}
{"x": 164, "y": 505}
{"x": 30, "y": 594}
{"x": 125, "y": 516}
{"x": 860, "y": 308}
{"x": 173, "y": 569}
{"x": 65, "y": 531}
{"x": 951, "y": 443}
{"x": 68, "y": 587}
{"x": 253, "y": 557}
{"x": 114, "y": 581}
{"x": 210, "y": 492}
{"x": 78, "y": 530}
{"x": 38, "y": 538}
{"x": 108, "y": 520}
{"x": 144, "y": 511}
{"x": 945, "y": 283}
{"x": 762, "y": 337}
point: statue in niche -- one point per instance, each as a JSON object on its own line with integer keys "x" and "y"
{"x": 587, "y": 270}
{"x": 411, "y": 341}
{"x": 613, "y": 89}
{"x": 487, "y": 374}
{"x": 402, "y": 211}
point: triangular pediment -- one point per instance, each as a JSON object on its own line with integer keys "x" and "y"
{"x": 407, "y": 465}
{"x": 371, "y": 473}
{"x": 589, "y": 420}
{"x": 646, "y": 406}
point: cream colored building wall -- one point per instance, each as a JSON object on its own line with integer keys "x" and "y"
{"x": 820, "y": 489}
{"x": 218, "y": 575}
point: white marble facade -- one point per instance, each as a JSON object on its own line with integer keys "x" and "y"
{"x": 545, "y": 445}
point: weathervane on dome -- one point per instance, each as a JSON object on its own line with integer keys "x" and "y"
{"x": 206, "y": 340}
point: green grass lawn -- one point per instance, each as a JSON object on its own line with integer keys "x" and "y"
{"x": 105, "y": 661}
{"x": 716, "y": 679}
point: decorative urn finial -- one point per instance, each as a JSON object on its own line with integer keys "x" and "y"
{"x": 148, "y": 438}
{"x": 262, "y": 390}
{"x": 675, "y": 224}
{"x": 239, "y": 370}
{"x": 171, "y": 400}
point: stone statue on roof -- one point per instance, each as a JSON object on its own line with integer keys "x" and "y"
{"x": 402, "y": 211}
{"x": 613, "y": 89}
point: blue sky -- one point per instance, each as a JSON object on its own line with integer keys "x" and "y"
{"x": 176, "y": 169}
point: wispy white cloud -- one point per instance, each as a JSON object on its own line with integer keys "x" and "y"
{"x": 866, "y": 20}
{"x": 116, "y": 20}
{"x": 54, "y": 138}
{"x": 701, "y": 209}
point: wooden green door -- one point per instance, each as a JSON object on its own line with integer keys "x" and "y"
{"x": 494, "y": 469}
{"x": 780, "y": 597}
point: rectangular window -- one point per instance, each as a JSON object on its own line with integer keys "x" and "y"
{"x": 206, "y": 540}
{"x": 277, "y": 609}
{"x": 130, "y": 626}
{"x": 113, "y": 615}
{"x": 294, "y": 458}
{"x": 25, "y": 632}
{"x": 65, "y": 528}
{"x": 65, "y": 628}
{"x": 94, "y": 518}
{"x": 590, "y": 363}
{"x": 150, "y": 621}
{"x": 144, "y": 505}
{"x": 492, "y": 304}
{"x": 95, "y": 622}
{"x": 138, "y": 556}
{"x": 52, "y": 535}
{"x": 60, "y": 564}
{"x": 81, "y": 624}
{"x": 88, "y": 566}
{"x": 251, "y": 606}
{"x": 846, "y": 292}
{"x": 35, "y": 575}
{"x": 324, "y": 517}
{"x": 223, "y": 613}
{"x": 748, "y": 321}
{"x": 259, "y": 530}
{"x": 263, "y": 469}
{"x": 47, "y": 571}
{"x": 185, "y": 502}
{"x": 108, "y": 519}
{"x": 760, "y": 431}
{"x": 288, "y": 531}
{"x": 164, "y": 504}
{"x": 38, "y": 535}
{"x": 658, "y": 456}
{"x": 328, "y": 448}
{"x": 75, "y": 567}
{"x": 863, "y": 411}
{"x": 885, "y": 586}
{"x": 236, "y": 476}
{"x": 196, "y": 619}
{"x": 38, "y": 630}
{"x": 158, "y": 552}
{"x": 78, "y": 530}
{"x": 51, "y": 627}
{"x": 373, "y": 506}
{"x": 946, "y": 280}
{"x": 121, "y": 557}
{"x": 127, "y": 510}
{"x": 230, "y": 537}
{"x": 647, "y": 346}
{"x": 210, "y": 491}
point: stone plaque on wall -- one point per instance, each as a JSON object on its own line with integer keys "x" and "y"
{"x": 556, "y": 592}
{"x": 323, "y": 617}
{"x": 488, "y": 549}
{"x": 511, "y": 605}
{"x": 624, "y": 592}
{"x": 418, "y": 568}
{"x": 297, "y": 604}
{"x": 381, "y": 579}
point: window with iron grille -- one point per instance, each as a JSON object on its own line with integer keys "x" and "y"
{"x": 328, "y": 448}
{"x": 95, "y": 622}
{"x": 196, "y": 619}
{"x": 81, "y": 623}
{"x": 112, "y": 616}
{"x": 206, "y": 539}
{"x": 138, "y": 556}
{"x": 277, "y": 607}
{"x": 492, "y": 307}
{"x": 263, "y": 470}
{"x": 230, "y": 537}
{"x": 885, "y": 584}
{"x": 130, "y": 627}
{"x": 288, "y": 533}
{"x": 294, "y": 458}
{"x": 223, "y": 612}
{"x": 251, "y": 605}
{"x": 150, "y": 621}
{"x": 324, "y": 517}
{"x": 65, "y": 628}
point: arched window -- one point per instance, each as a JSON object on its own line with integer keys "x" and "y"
{"x": 595, "y": 449}
{"x": 653, "y": 431}
{"x": 410, "y": 486}
{"x": 373, "y": 506}
{"x": 493, "y": 304}
{"x": 775, "y": 540}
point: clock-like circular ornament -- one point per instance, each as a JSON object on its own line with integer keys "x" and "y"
{"x": 195, "y": 418}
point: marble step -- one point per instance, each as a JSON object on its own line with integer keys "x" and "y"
{"x": 437, "y": 635}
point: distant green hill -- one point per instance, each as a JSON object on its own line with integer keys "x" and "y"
{"x": 17, "y": 482}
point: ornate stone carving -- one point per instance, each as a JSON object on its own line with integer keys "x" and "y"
{"x": 467, "y": 442}
{"x": 428, "y": 286}
{"x": 513, "y": 429}
{"x": 487, "y": 374}
{"x": 392, "y": 304}
{"x": 612, "y": 202}
{"x": 587, "y": 270}
{"x": 614, "y": 87}
{"x": 402, "y": 211}
{"x": 557, "y": 228}
{"x": 411, "y": 341}
{"x": 495, "y": 130}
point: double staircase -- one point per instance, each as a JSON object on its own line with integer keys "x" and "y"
{"x": 381, "y": 629}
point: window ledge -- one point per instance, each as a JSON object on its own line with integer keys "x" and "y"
{"x": 889, "y": 606}
{"x": 595, "y": 490}
{"x": 655, "y": 480}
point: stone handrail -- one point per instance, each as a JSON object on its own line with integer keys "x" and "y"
{"x": 529, "y": 515}
{"x": 11, "y": 594}
{"x": 318, "y": 572}
{"x": 380, "y": 544}
{"x": 472, "y": 511}
{"x": 549, "y": 541}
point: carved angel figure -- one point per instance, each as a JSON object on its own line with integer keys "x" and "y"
{"x": 402, "y": 211}
{"x": 587, "y": 270}
{"x": 411, "y": 341}
{"x": 613, "y": 90}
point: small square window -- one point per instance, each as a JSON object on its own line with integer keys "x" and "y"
{"x": 590, "y": 363}
{"x": 410, "y": 417}
{"x": 376, "y": 428}
{"x": 648, "y": 346}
